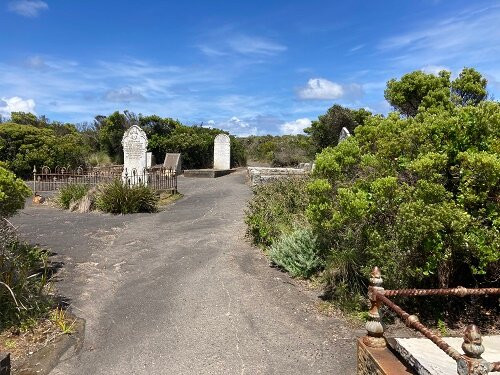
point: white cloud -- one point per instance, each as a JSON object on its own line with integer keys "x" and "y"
{"x": 227, "y": 42}
{"x": 210, "y": 51}
{"x": 73, "y": 91}
{"x": 36, "y": 62}
{"x": 295, "y": 127}
{"x": 234, "y": 126}
{"x": 124, "y": 95}
{"x": 16, "y": 104}
{"x": 320, "y": 88}
{"x": 254, "y": 45}
{"x": 27, "y": 8}
{"x": 323, "y": 89}
{"x": 470, "y": 37}
{"x": 356, "y": 48}
{"x": 434, "y": 69}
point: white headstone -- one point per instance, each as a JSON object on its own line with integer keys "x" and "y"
{"x": 222, "y": 152}
{"x": 149, "y": 159}
{"x": 344, "y": 134}
{"x": 135, "y": 144}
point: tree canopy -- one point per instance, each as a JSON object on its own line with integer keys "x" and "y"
{"x": 326, "y": 130}
{"x": 419, "y": 89}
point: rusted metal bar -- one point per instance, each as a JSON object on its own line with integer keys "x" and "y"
{"x": 470, "y": 363}
{"x": 413, "y": 322}
{"x": 458, "y": 291}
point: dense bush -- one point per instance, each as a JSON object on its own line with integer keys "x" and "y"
{"x": 119, "y": 198}
{"x": 325, "y": 131}
{"x": 416, "y": 193}
{"x": 279, "y": 151}
{"x": 24, "y": 146}
{"x": 276, "y": 208}
{"x": 417, "y": 196}
{"x": 23, "y": 276}
{"x": 297, "y": 253}
{"x": 13, "y": 193}
{"x": 71, "y": 193}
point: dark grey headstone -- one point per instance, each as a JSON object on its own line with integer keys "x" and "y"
{"x": 173, "y": 161}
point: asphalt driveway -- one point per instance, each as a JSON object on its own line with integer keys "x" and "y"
{"x": 183, "y": 292}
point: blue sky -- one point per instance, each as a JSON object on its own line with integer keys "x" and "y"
{"x": 250, "y": 67}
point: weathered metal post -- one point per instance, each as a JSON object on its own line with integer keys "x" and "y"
{"x": 34, "y": 179}
{"x": 472, "y": 363}
{"x": 375, "y": 337}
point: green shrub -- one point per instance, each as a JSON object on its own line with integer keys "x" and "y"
{"x": 119, "y": 198}
{"x": 280, "y": 151}
{"x": 71, "y": 193}
{"x": 24, "y": 146}
{"x": 13, "y": 193}
{"x": 23, "y": 276}
{"x": 276, "y": 207}
{"x": 297, "y": 253}
{"x": 416, "y": 196}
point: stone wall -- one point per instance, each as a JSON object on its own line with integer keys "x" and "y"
{"x": 260, "y": 175}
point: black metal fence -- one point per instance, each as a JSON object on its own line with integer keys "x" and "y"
{"x": 156, "y": 178}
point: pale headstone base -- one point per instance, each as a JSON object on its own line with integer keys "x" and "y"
{"x": 207, "y": 173}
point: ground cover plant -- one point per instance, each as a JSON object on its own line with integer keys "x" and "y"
{"x": 297, "y": 253}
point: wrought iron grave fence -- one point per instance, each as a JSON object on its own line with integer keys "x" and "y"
{"x": 156, "y": 178}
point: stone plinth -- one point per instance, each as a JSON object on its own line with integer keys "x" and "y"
{"x": 260, "y": 175}
{"x": 426, "y": 358}
{"x": 207, "y": 173}
{"x": 379, "y": 361}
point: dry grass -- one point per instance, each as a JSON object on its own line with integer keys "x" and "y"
{"x": 21, "y": 343}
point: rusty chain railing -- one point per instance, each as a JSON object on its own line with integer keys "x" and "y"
{"x": 469, "y": 363}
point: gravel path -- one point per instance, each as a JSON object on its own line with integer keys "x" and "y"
{"x": 183, "y": 292}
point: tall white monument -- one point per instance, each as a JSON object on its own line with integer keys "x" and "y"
{"x": 135, "y": 144}
{"x": 222, "y": 152}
